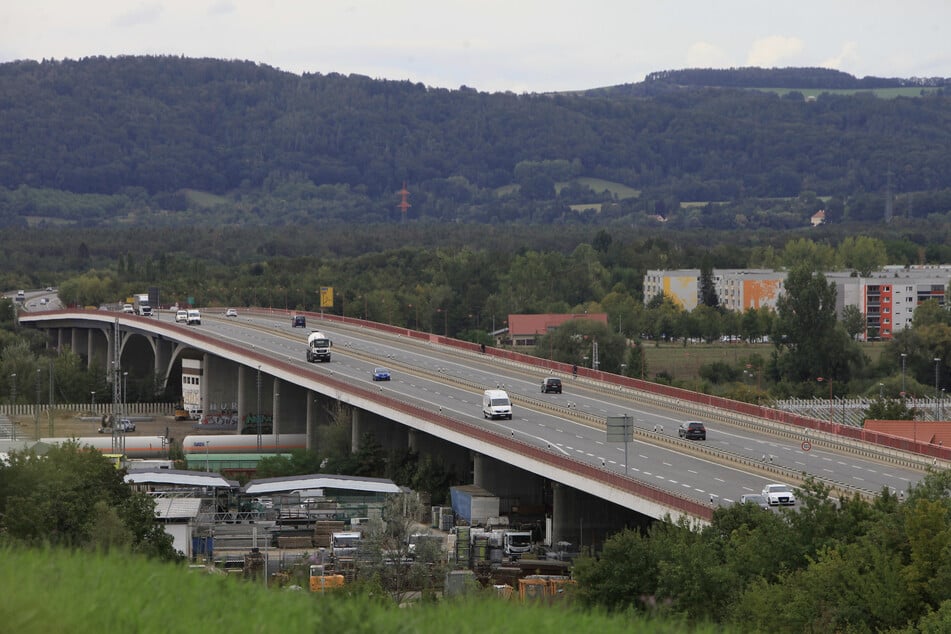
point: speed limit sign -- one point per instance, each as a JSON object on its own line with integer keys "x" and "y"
{"x": 806, "y": 445}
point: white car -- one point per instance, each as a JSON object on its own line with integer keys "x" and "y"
{"x": 181, "y": 316}
{"x": 231, "y": 312}
{"x": 779, "y": 495}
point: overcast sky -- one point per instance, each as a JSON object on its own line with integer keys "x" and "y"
{"x": 494, "y": 45}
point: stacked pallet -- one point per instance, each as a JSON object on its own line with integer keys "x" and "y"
{"x": 295, "y": 542}
{"x": 324, "y": 529}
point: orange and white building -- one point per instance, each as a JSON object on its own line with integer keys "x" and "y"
{"x": 888, "y": 297}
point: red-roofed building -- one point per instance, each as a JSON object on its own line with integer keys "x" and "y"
{"x": 523, "y": 329}
{"x": 934, "y": 432}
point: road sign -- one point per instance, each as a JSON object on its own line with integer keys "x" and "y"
{"x": 620, "y": 428}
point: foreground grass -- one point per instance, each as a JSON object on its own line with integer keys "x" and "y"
{"x": 53, "y": 591}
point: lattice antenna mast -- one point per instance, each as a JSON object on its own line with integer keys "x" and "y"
{"x": 404, "y": 202}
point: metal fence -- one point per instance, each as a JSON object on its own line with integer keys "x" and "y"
{"x": 89, "y": 409}
{"x": 852, "y": 411}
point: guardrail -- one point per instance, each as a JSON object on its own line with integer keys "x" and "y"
{"x": 849, "y": 438}
{"x": 98, "y": 409}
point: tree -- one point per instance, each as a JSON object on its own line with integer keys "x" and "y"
{"x": 573, "y": 342}
{"x": 708, "y": 290}
{"x": 853, "y": 320}
{"x": 76, "y": 498}
{"x": 890, "y": 409}
{"x": 805, "y": 334}
{"x": 393, "y": 554}
{"x": 625, "y": 576}
{"x": 862, "y": 254}
{"x": 806, "y": 253}
{"x": 930, "y": 312}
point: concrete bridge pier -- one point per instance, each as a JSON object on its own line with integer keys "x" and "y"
{"x": 587, "y": 521}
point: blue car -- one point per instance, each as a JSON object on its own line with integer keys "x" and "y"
{"x": 381, "y": 374}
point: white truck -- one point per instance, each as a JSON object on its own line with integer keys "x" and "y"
{"x": 141, "y": 305}
{"x": 343, "y": 545}
{"x": 318, "y": 347}
{"x": 516, "y": 543}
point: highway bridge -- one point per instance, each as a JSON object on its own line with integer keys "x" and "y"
{"x": 554, "y": 453}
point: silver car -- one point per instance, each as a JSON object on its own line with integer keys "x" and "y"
{"x": 779, "y": 495}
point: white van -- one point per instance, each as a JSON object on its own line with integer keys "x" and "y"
{"x": 496, "y": 404}
{"x": 194, "y": 317}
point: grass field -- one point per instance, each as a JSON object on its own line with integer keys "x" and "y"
{"x": 68, "y": 591}
{"x": 204, "y": 199}
{"x": 683, "y": 363}
{"x": 881, "y": 93}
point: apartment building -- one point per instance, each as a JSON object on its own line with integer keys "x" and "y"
{"x": 887, "y": 297}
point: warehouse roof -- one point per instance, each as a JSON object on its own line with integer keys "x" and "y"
{"x": 320, "y": 481}
{"x": 169, "y": 508}
{"x": 182, "y": 478}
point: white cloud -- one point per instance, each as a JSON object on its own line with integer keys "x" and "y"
{"x": 705, "y": 55}
{"x": 771, "y": 51}
{"x": 846, "y": 58}
{"x": 140, "y": 14}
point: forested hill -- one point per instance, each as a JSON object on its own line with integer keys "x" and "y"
{"x": 149, "y": 128}
{"x": 790, "y": 79}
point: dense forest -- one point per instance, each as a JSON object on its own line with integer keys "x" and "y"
{"x": 169, "y": 140}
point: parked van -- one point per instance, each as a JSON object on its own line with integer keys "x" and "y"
{"x": 496, "y": 404}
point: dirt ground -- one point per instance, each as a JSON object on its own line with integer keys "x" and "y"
{"x": 72, "y": 424}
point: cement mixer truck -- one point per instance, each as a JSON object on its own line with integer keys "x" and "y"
{"x": 318, "y": 347}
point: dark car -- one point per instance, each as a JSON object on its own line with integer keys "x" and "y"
{"x": 692, "y": 430}
{"x": 551, "y": 384}
{"x": 754, "y": 498}
{"x": 299, "y": 321}
{"x": 381, "y": 374}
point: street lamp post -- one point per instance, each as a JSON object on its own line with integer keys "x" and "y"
{"x": 13, "y": 401}
{"x": 937, "y": 365}
{"x": 125, "y": 393}
{"x": 36, "y": 410}
{"x": 903, "y": 357}
{"x": 831, "y": 405}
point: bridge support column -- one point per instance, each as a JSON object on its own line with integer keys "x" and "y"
{"x": 242, "y": 396}
{"x": 478, "y": 469}
{"x": 563, "y": 514}
{"x": 89, "y": 348}
{"x": 203, "y": 386}
{"x": 311, "y": 418}
{"x": 411, "y": 439}
{"x": 356, "y": 428}
{"x": 276, "y": 408}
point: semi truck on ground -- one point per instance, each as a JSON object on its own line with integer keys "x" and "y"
{"x": 318, "y": 347}
{"x": 516, "y": 543}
